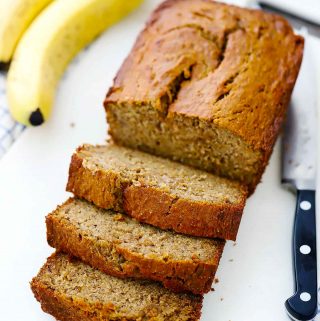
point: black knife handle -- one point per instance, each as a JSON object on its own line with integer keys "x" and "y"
{"x": 303, "y": 304}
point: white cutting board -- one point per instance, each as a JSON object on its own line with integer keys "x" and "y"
{"x": 255, "y": 275}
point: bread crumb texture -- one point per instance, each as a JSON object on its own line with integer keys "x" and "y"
{"x": 71, "y": 290}
{"x": 141, "y": 169}
{"x": 207, "y": 84}
{"x": 157, "y": 191}
{"x": 119, "y": 245}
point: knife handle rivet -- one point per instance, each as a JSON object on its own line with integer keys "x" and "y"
{"x": 305, "y": 249}
{"x": 305, "y": 205}
{"x": 305, "y": 296}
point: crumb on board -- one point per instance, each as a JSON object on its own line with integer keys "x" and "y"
{"x": 119, "y": 218}
{"x": 216, "y": 280}
{"x": 212, "y": 289}
{"x": 231, "y": 260}
{"x": 221, "y": 299}
{"x": 234, "y": 244}
{"x": 72, "y": 124}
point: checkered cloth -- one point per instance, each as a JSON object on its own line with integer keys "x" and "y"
{"x": 9, "y": 129}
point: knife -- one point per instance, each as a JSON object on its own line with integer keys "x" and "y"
{"x": 309, "y": 10}
{"x": 299, "y": 148}
{"x": 297, "y": 22}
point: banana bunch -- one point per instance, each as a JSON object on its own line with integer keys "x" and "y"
{"x": 15, "y": 17}
{"x": 47, "y": 45}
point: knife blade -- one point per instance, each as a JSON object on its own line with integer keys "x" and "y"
{"x": 300, "y": 132}
{"x": 299, "y": 158}
{"x": 298, "y": 13}
{"x": 295, "y": 21}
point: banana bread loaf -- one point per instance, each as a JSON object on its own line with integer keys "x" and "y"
{"x": 71, "y": 291}
{"x": 207, "y": 84}
{"x": 120, "y": 246}
{"x": 157, "y": 191}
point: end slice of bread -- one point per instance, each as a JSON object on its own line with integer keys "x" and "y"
{"x": 119, "y": 245}
{"x": 157, "y": 191}
{"x": 71, "y": 290}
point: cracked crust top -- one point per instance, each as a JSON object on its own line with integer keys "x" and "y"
{"x": 216, "y": 62}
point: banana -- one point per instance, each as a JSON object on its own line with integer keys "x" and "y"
{"x": 15, "y": 17}
{"x": 46, "y": 48}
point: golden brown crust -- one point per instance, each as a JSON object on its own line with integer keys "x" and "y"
{"x": 83, "y": 181}
{"x": 59, "y": 306}
{"x": 66, "y": 308}
{"x": 177, "y": 275}
{"x": 275, "y": 54}
{"x": 157, "y": 208}
{"x": 154, "y": 206}
{"x": 239, "y": 66}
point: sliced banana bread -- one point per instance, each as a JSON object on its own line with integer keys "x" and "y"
{"x": 119, "y": 245}
{"x": 157, "y": 191}
{"x": 207, "y": 84}
{"x": 71, "y": 291}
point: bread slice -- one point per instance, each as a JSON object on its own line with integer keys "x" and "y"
{"x": 119, "y": 245}
{"x": 207, "y": 84}
{"x": 157, "y": 191}
{"x": 71, "y": 291}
